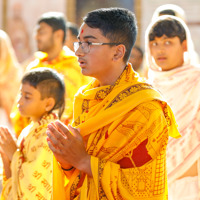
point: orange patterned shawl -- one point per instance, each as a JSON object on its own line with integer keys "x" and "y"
{"x": 126, "y": 128}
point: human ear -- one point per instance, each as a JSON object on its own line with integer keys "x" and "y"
{"x": 184, "y": 45}
{"x": 50, "y": 103}
{"x": 119, "y": 52}
{"x": 59, "y": 34}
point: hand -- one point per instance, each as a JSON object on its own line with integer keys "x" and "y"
{"x": 8, "y": 145}
{"x": 68, "y": 147}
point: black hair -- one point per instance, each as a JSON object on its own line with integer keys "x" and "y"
{"x": 73, "y": 28}
{"x": 56, "y": 20}
{"x": 169, "y": 27}
{"x": 50, "y": 84}
{"x": 116, "y": 24}
{"x": 167, "y": 12}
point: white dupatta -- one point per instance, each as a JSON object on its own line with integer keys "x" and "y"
{"x": 181, "y": 88}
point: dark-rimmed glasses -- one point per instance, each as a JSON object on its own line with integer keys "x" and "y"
{"x": 86, "y": 45}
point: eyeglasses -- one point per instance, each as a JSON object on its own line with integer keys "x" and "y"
{"x": 86, "y": 45}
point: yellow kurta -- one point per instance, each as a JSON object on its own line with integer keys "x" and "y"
{"x": 67, "y": 64}
{"x": 126, "y": 129}
{"x": 31, "y": 165}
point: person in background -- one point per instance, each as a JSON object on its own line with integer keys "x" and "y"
{"x": 50, "y": 34}
{"x": 136, "y": 59}
{"x": 169, "y": 9}
{"x": 116, "y": 146}
{"x": 177, "y": 11}
{"x": 72, "y": 33}
{"x": 11, "y": 74}
{"x": 167, "y": 41}
{"x": 28, "y": 162}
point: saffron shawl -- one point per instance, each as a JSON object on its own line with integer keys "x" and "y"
{"x": 115, "y": 121}
{"x": 180, "y": 87}
{"x": 31, "y": 164}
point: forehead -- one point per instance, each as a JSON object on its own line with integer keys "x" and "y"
{"x": 164, "y": 37}
{"x": 87, "y": 32}
{"x": 43, "y": 25}
{"x": 28, "y": 89}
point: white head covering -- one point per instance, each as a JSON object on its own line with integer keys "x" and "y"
{"x": 180, "y": 86}
{"x": 188, "y": 56}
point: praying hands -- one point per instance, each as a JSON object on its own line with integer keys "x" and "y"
{"x": 68, "y": 147}
{"x": 8, "y": 144}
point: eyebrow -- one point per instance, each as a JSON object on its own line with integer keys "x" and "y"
{"x": 27, "y": 93}
{"x": 87, "y": 37}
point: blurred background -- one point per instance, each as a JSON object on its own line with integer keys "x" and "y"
{"x": 18, "y": 17}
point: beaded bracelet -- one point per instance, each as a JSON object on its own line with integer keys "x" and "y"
{"x": 67, "y": 169}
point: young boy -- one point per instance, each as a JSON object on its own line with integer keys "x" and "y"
{"x": 168, "y": 46}
{"x": 28, "y": 162}
{"x": 121, "y": 124}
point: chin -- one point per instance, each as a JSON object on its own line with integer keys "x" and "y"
{"x": 84, "y": 72}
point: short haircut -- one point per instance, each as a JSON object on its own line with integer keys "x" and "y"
{"x": 116, "y": 24}
{"x": 169, "y": 27}
{"x": 73, "y": 28}
{"x": 56, "y": 20}
{"x": 50, "y": 84}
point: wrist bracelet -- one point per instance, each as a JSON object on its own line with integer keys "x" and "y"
{"x": 67, "y": 169}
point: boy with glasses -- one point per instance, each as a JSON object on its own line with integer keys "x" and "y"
{"x": 115, "y": 148}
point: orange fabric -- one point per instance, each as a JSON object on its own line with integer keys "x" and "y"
{"x": 116, "y": 122}
{"x": 31, "y": 165}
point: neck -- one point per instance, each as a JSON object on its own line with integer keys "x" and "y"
{"x": 54, "y": 53}
{"x": 112, "y": 76}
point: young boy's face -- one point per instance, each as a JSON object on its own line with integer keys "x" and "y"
{"x": 168, "y": 53}
{"x": 97, "y": 62}
{"x": 30, "y": 103}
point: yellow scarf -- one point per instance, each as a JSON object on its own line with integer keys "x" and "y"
{"x": 115, "y": 120}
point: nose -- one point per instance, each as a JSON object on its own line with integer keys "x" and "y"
{"x": 79, "y": 52}
{"x": 161, "y": 48}
{"x": 19, "y": 100}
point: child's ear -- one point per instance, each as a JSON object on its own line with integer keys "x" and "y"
{"x": 119, "y": 52}
{"x": 184, "y": 45}
{"x": 50, "y": 103}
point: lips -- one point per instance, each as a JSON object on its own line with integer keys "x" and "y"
{"x": 82, "y": 62}
{"x": 161, "y": 58}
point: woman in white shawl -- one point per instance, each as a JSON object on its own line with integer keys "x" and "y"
{"x": 179, "y": 82}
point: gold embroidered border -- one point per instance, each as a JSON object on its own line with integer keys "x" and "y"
{"x": 102, "y": 195}
{"x": 129, "y": 91}
{"x": 74, "y": 186}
